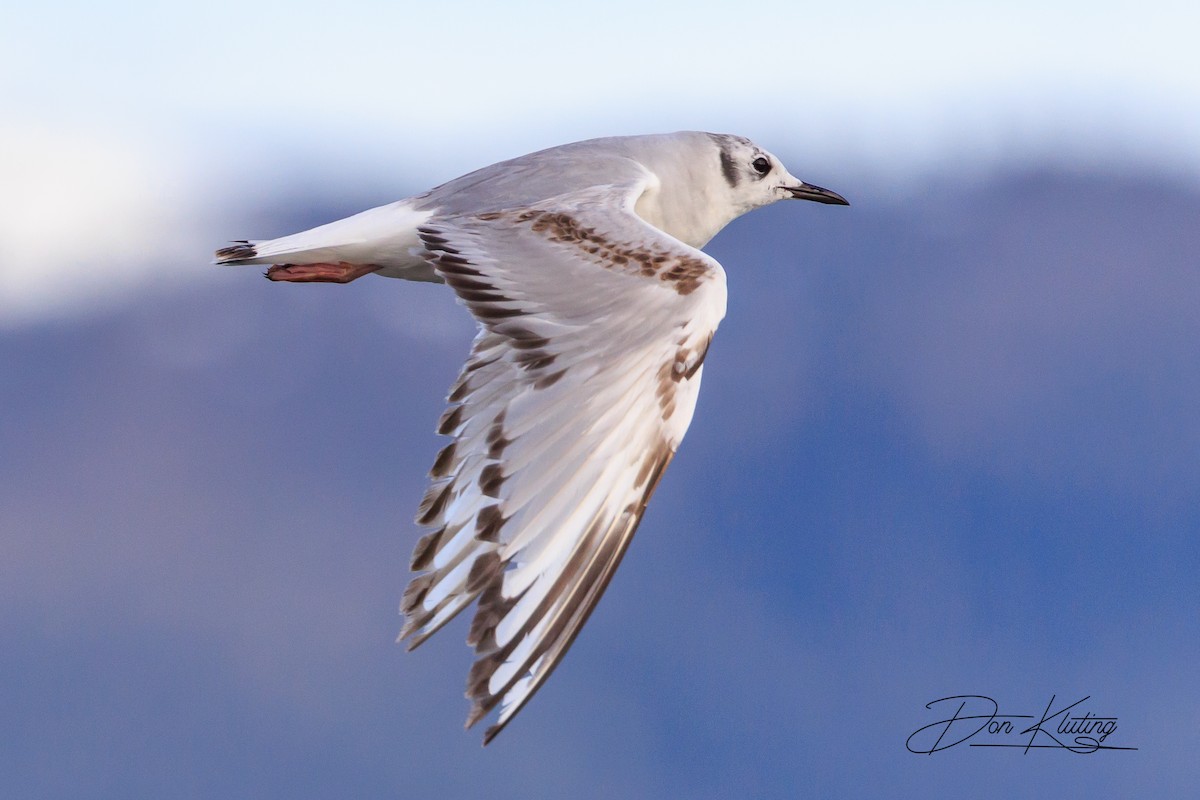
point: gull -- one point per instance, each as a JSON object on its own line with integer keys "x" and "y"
{"x": 582, "y": 266}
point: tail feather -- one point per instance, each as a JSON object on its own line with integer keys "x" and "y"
{"x": 384, "y": 237}
{"x": 240, "y": 252}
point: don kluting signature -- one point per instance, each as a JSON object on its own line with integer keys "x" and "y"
{"x": 975, "y": 720}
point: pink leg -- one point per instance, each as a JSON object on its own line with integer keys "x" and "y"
{"x": 319, "y": 273}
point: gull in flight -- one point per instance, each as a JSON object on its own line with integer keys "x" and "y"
{"x": 581, "y": 266}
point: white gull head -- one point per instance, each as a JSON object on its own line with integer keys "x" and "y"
{"x": 707, "y": 180}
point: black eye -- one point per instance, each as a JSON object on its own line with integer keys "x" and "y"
{"x": 761, "y": 165}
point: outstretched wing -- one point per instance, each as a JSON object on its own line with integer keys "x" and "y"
{"x": 579, "y": 388}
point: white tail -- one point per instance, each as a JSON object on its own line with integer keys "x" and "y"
{"x": 384, "y": 237}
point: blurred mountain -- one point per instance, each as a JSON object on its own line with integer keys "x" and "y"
{"x": 945, "y": 444}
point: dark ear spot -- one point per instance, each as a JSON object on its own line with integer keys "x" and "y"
{"x": 729, "y": 168}
{"x": 728, "y": 165}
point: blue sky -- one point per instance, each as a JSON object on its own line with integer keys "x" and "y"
{"x": 947, "y": 440}
{"x": 928, "y": 459}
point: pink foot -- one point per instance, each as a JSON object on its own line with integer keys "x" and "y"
{"x": 319, "y": 273}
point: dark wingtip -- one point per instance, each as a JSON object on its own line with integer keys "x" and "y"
{"x": 491, "y": 734}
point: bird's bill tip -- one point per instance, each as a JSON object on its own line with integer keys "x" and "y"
{"x": 806, "y": 191}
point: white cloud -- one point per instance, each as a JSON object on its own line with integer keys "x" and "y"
{"x": 84, "y": 218}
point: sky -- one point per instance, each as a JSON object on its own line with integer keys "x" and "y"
{"x": 947, "y": 441}
{"x": 138, "y": 126}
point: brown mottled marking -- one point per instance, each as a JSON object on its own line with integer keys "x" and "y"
{"x": 432, "y": 236}
{"x": 682, "y": 367}
{"x": 492, "y": 313}
{"x": 460, "y": 389}
{"x": 549, "y": 380}
{"x": 665, "y": 391}
{"x": 481, "y": 296}
{"x": 491, "y": 478}
{"x": 441, "y": 465}
{"x": 434, "y": 502}
{"x": 495, "y": 437}
{"x": 415, "y": 593}
{"x": 492, "y": 608}
{"x": 456, "y": 269}
{"x": 477, "y": 686}
{"x": 685, "y": 273}
{"x": 496, "y": 446}
{"x": 450, "y": 420}
{"x": 486, "y": 567}
{"x": 524, "y": 339}
{"x": 461, "y": 282}
{"x": 666, "y": 377}
{"x": 446, "y": 257}
{"x": 534, "y": 360}
{"x": 476, "y": 364}
{"x": 488, "y": 524}
{"x": 425, "y": 550}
